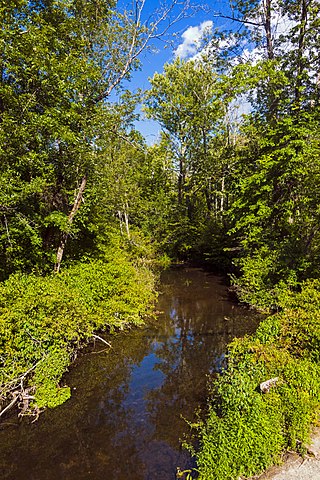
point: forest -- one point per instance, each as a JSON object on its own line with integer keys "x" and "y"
{"x": 90, "y": 212}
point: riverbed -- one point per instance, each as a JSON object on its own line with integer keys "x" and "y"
{"x": 130, "y": 403}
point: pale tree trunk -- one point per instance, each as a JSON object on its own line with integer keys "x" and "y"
{"x": 65, "y": 235}
{"x": 267, "y": 22}
{"x": 301, "y": 49}
{"x": 126, "y": 220}
{"x": 182, "y": 174}
{"x": 181, "y": 180}
{"x": 268, "y": 27}
{"x": 216, "y": 203}
{"x": 120, "y": 220}
{"x": 207, "y": 190}
{"x": 222, "y": 195}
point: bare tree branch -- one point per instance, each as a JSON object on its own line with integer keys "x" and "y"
{"x": 240, "y": 20}
{"x": 144, "y": 33}
{"x": 11, "y": 404}
{"x": 125, "y": 139}
{"x": 74, "y": 210}
{"x": 102, "y": 340}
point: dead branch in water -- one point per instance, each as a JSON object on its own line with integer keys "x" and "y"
{"x": 102, "y": 340}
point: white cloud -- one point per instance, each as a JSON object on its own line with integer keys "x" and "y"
{"x": 192, "y": 39}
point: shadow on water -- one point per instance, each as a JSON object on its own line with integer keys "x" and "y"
{"x": 125, "y": 418}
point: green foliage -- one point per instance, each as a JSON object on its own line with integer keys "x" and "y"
{"x": 43, "y": 320}
{"x": 247, "y": 430}
{"x": 46, "y": 379}
{"x": 189, "y": 100}
{"x": 254, "y": 287}
{"x": 301, "y": 325}
{"x": 275, "y": 212}
{"x": 269, "y": 330}
{"x": 240, "y": 444}
{"x": 60, "y": 60}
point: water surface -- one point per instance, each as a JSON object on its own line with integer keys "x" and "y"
{"x": 126, "y": 417}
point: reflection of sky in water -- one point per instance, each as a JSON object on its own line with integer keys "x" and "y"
{"x": 124, "y": 422}
{"x": 177, "y": 334}
{"x": 173, "y": 313}
{"x": 144, "y": 377}
{"x": 157, "y": 455}
{"x": 220, "y": 363}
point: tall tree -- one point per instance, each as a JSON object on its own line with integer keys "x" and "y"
{"x": 59, "y": 62}
{"x": 189, "y": 100}
{"x": 274, "y": 212}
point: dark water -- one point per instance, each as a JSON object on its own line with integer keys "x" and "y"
{"x": 125, "y": 418}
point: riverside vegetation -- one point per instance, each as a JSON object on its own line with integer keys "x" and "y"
{"x": 247, "y": 430}
{"x": 86, "y": 206}
{"x": 45, "y": 320}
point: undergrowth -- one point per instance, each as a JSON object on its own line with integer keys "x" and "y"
{"x": 44, "y": 321}
{"x": 247, "y": 430}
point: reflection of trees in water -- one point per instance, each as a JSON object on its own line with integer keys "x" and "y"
{"x": 87, "y": 433}
{"x": 185, "y": 361}
{"x": 203, "y": 329}
{"x": 99, "y": 433}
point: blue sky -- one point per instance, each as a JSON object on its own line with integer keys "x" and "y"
{"x": 183, "y": 34}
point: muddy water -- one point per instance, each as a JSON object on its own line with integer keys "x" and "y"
{"x": 125, "y": 420}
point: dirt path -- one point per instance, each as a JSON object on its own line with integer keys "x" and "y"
{"x": 297, "y": 468}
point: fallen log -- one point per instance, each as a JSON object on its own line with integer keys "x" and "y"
{"x": 265, "y": 386}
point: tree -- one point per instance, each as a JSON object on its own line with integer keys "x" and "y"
{"x": 60, "y": 60}
{"x": 271, "y": 210}
{"x": 189, "y": 101}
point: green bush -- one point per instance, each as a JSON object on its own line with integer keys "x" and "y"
{"x": 48, "y": 393}
{"x": 247, "y": 430}
{"x": 43, "y": 320}
{"x": 262, "y": 284}
{"x": 255, "y": 286}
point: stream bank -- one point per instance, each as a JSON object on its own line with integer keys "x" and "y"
{"x": 131, "y": 401}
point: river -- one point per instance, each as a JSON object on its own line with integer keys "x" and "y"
{"x": 127, "y": 414}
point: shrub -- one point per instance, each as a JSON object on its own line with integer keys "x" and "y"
{"x": 43, "y": 320}
{"x": 247, "y": 430}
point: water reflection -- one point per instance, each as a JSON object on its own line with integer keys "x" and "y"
{"x": 124, "y": 420}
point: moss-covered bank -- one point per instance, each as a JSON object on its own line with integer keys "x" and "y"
{"x": 45, "y": 320}
{"x": 246, "y": 430}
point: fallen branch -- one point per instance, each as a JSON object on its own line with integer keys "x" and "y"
{"x": 16, "y": 388}
{"x": 13, "y": 384}
{"x": 25, "y": 402}
{"x": 102, "y": 340}
{"x": 11, "y": 404}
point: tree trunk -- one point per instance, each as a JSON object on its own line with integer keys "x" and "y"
{"x": 126, "y": 219}
{"x": 301, "y": 49}
{"x": 267, "y": 24}
{"x": 65, "y": 235}
{"x": 222, "y": 195}
{"x": 268, "y": 28}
